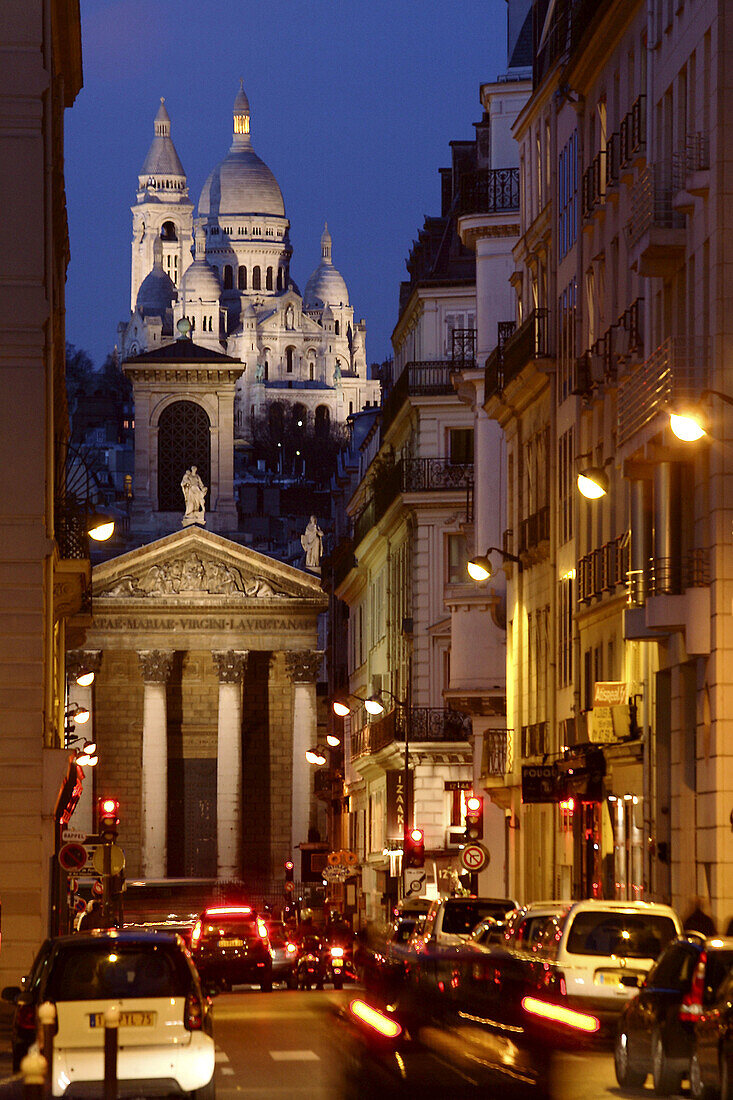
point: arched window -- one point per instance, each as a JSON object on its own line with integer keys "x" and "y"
{"x": 276, "y": 415}
{"x": 168, "y": 231}
{"x": 242, "y": 278}
{"x": 228, "y": 277}
{"x": 323, "y": 417}
{"x": 256, "y": 279}
{"x": 184, "y": 440}
{"x": 268, "y": 279}
{"x": 289, "y": 360}
{"x": 311, "y": 371}
{"x": 279, "y": 278}
{"x": 266, "y": 362}
{"x": 299, "y": 418}
{"x": 336, "y": 327}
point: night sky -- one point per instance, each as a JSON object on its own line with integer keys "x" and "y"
{"x": 353, "y": 105}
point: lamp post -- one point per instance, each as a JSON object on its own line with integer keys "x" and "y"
{"x": 480, "y": 568}
{"x": 687, "y": 420}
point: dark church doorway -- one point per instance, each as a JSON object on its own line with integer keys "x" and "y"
{"x": 184, "y": 440}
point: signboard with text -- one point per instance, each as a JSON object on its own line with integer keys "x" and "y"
{"x": 399, "y": 800}
{"x": 610, "y": 718}
{"x": 539, "y": 783}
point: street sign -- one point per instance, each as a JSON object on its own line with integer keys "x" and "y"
{"x": 97, "y": 888}
{"x": 415, "y": 882}
{"x": 79, "y": 905}
{"x": 474, "y": 857}
{"x": 72, "y": 856}
{"x": 289, "y": 887}
{"x": 72, "y": 834}
{"x": 116, "y": 859}
{"x": 335, "y": 874}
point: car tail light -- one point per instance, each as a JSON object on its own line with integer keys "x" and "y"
{"x": 691, "y": 1004}
{"x": 374, "y": 1019}
{"x": 560, "y": 1014}
{"x": 196, "y": 934}
{"x": 337, "y": 952}
{"x": 262, "y": 929}
{"x": 25, "y": 1017}
{"x": 291, "y": 948}
{"x": 193, "y": 1013}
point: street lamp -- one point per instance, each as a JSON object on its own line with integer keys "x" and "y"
{"x": 688, "y": 422}
{"x": 480, "y": 568}
{"x": 316, "y": 756}
{"x": 592, "y": 481}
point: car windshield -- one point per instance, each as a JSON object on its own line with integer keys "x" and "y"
{"x": 628, "y": 935}
{"x": 461, "y": 917}
{"x": 224, "y": 927}
{"x": 115, "y": 970}
{"x": 277, "y": 935}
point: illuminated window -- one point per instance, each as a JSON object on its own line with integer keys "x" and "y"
{"x": 241, "y": 124}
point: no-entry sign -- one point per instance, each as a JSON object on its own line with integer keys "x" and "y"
{"x": 73, "y": 856}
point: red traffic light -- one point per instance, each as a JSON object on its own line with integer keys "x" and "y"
{"x": 473, "y": 804}
{"x": 109, "y": 806}
{"x": 414, "y": 850}
{"x": 474, "y": 817}
{"x": 288, "y": 864}
{"x": 416, "y": 835}
{"x": 109, "y": 809}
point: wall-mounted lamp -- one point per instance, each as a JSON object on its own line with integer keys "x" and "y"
{"x": 87, "y": 756}
{"x": 688, "y": 420}
{"x": 481, "y": 568}
{"x": 76, "y": 715}
{"x": 100, "y": 526}
{"x": 333, "y": 740}
{"x": 84, "y": 679}
{"x": 592, "y": 481}
{"x": 316, "y": 756}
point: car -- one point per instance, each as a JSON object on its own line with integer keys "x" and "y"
{"x": 230, "y": 946}
{"x": 284, "y": 951}
{"x": 711, "y": 1061}
{"x": 166, "y": 1040}
{"x": 595, "y": 946}
{"x": 449, "y": 921}
{"x": 656, "y": 1030}
{"x": 25, "y": 998}
{"x": 524, "y": 927}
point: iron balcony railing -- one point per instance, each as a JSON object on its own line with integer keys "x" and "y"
{"x": 694, "y": 156}
{"x": 431, "y": 378}
{"x": 412, "y": 475}
{"x": 632, "y": 132}
{"x": 494, "y": 371}
{"x": 570, "y": 19}
{"x": 535, "y": 740}
{"x": 463, "y": 350}
{"x": 534, "y": 529}
{"x": 651, "y": 201}
{"x": 423, "y": 724}
{"x": 669, "y": 576}
{"x": 530, "y": 341}
{"x": 613, "y": 160}
{"x": 497, "y": 755}
{"x": 489, "y": 191}
{"x": 593, "y": 191}
{"x": 676, "y": 371}
{"x": 604, "y": 569}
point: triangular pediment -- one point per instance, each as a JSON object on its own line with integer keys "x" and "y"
{"x": 196, "y": 563}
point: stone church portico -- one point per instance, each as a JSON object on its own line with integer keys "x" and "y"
{"x": 204, "y": 705}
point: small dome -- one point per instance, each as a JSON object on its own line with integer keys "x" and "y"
{"x": 162, "y": 158}
{"x": 157, "y": 291}
{"x": 200, "y": 279}
{"x": 326, "y": 285}
{"x": 242, "y": 183}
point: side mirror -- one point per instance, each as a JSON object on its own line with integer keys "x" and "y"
{"x": 11, "y": 993}
{"x": 632, "y": 981}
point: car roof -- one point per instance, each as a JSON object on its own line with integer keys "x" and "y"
{"x": 113, "y": 935}
{"x": 649, "y": 907}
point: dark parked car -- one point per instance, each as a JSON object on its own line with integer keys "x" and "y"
{"x": 711, "y": 1062}
{"x": 656, "y": 1031}
{"x": 230, "y": 946}
{"x": 25, "y": 999}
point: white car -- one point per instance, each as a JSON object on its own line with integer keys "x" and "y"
{"x": 597, "y": 948}
{"x": 165, "y": 1041}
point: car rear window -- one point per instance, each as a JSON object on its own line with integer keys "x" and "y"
{"x": 276, "y": 933}
{"x": 461, "y": 917}
{"x": 627, "y": 935}
{"x": 100, "y": 972}
{"x": 241, "y": 928}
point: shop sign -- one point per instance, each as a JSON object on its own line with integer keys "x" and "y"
{"x": 397, "y": 802}
{"x": 539, "y": 783}
{"x": 610, "y": 719}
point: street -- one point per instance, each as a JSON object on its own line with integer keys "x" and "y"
{"x": 284, "y": 1044}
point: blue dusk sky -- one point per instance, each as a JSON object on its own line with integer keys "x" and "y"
{"x": 353, "y": 102}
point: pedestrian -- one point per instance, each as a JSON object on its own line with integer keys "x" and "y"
{"x": 698, "y": 920}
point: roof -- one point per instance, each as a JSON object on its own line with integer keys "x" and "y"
{"x": 183, "y": 351}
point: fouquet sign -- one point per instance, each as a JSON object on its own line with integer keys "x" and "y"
{"x": 397, "y": 803}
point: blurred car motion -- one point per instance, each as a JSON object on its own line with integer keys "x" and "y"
{"x": 657, "y": 1027}
{"x": 230, "y": 946}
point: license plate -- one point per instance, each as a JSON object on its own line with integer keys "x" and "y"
{"x": 127, "y": 1019}
{"x": 231, "y": 943}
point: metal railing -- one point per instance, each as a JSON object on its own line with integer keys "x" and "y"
{"x": 497, "y": 756}
{"x": 424, "y": 724}
{"x": 604, "y": 569}
{"x": 420, "y": 475}
{"x": 529, "y": 341}
{"x": 613, "y": 160}
{"x": 534, "y": 529}
{"x": 632, "y": 132}
{"x": 463, "y": 350}
{"x": 694, "y": 156}
{"x": 593, "y": 189}
{"x": 676, "y": 370}
{"x": 420, "y": 379}
{"x": 489, "y": 191}
{"x": 651, "y": 201}
{"x": 494, "y": 370}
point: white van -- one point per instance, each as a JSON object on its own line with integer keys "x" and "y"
{"x": 595, "y": 945}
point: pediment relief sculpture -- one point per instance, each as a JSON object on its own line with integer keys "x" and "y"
{"x": 192, "y": 574}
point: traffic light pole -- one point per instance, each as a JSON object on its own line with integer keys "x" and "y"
{"x": 106, "y": 883}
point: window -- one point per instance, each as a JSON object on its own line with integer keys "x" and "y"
{"x": 183, "y": 441}
{"x": 457, "y": 559}
{"x": 268, "y": 279}
{"x": 311, "y": 371}
{"x": 567, "y": 183}
{"x": 168, "y": 231}
{"x": 336, "y": 327}
{"x": 256, "y": 278}
{"x": 279, "y": 278}
{"x": 565, "y": 631}
{"x": 228, "y": 277}
{"x": 566, "y": 484}
{"x": 460, "y": 446}
{"x": 566, "y": 339}
{"x": 242, "y": 278}
{"x": 289, "y": 360}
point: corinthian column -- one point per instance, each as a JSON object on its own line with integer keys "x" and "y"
{"x": 230, "y": 665}
{"x": 155, "y": 667}
{"x": 302, "y": 666}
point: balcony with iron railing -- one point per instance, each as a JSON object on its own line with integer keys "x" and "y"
{"x": 431, "y": 378}
{"x": 534, "y": 530}
{"x": 672, "y": 595}
{"x": 676, "y": 371}
{"x": 494, "y": 370}
{"x": 656, "y": 228}
{"x": 632, "y": 134}
{"x": 669, "y": 576}
{"x": 593, "y": 188}
{"x": 489, "y": 191}
{"x": 422, "y": 724}
{"x": 413, "y": 475}
{"x": 605, "y": 570}
{"x": 531, "y": 341}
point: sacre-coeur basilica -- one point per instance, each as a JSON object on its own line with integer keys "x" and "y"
{"x": 236, "y": 296}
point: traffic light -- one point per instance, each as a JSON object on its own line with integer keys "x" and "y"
{"x": 109, "y": 819}
{"x": 288, "y": 870}
{"x": 474, "y": 817}
{"x": 414, "y": 852}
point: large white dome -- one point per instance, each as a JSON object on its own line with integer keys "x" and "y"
{"x": 242, "y": 183}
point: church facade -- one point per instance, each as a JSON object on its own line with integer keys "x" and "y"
{"x": 305, "y": 352}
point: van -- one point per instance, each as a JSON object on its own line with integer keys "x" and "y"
{"x": 596, "y": 947}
